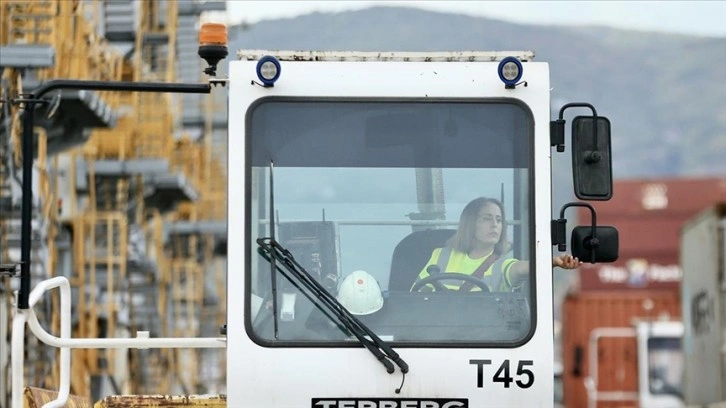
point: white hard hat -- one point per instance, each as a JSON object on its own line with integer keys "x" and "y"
{"x": 360, "y": 293}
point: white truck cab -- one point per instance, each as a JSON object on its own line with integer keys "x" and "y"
{"x": 349, "y": 162}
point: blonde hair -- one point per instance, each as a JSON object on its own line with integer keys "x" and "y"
{"x": 463, "y": 239}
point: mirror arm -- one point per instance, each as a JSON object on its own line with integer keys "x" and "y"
{"x": 557, "y": 134}
{"x": 559, "y": 233}
{"x": 594, "y": 155}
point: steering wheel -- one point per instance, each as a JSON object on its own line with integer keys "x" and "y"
{"x": 434, "y": 281}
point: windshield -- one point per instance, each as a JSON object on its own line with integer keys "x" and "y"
{"x": 665, "y": 365}
{"x": 387, "y": 204}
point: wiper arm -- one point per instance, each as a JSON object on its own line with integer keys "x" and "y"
{"x": 380, "y": 349}
{"x": 314, "y": 299}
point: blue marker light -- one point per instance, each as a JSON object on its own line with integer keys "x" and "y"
{"x": 268, "y": 70}
{"x": 510, "y": 71}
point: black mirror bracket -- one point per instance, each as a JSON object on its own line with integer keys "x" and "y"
{"x": 557, "y": 131}
{"x": 593, "y": 156}
{"x": 559, "y": 232}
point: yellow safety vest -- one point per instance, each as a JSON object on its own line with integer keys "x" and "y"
{"x": 496, "y": 277}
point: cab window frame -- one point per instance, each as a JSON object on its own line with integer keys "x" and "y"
{"x": 249, "y": 252}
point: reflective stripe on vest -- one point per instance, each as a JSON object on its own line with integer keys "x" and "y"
{"x": 494, "y": 280}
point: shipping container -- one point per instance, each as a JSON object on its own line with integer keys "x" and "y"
{"x": 703, "y": 258}
{"x": 616, "y": 356}
{"x": 648, "y": 215}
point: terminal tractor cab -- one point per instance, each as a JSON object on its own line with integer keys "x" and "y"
{"x": 346, "y": 171}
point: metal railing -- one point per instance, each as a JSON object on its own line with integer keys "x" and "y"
{"x": 65, "y": 342}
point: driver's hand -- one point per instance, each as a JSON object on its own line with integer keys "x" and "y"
{"x": 566, "y": 261}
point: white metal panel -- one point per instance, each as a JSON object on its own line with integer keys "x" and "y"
{"x": 703, "y": 298}
{"x": 286, "y": 377}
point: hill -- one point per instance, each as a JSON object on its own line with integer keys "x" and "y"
{"x": 663, "y": 93}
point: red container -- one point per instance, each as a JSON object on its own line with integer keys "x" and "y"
{"x": 617, "y": 357}
{"x": 648, "y": 215}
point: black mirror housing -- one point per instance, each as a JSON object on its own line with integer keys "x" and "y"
{"x": 592, "y": 159}
{"x": 605, "y": 248}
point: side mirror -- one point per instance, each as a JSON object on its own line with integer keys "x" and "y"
{"x": 604, "y": 248}
{"x": 591, "y": 158}
{"x": 588, "y": 243}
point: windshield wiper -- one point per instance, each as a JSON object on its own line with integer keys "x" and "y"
{"x": 272, "y": 250}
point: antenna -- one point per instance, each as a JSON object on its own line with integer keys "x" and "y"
{"x": 273, "y": 266}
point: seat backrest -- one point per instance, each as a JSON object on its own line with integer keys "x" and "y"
{"x": 411, "y": 255}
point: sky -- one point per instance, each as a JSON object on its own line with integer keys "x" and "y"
{"x": 699, "y": 18}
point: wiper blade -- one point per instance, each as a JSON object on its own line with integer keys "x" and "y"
{"x": 380, "y": 349}
{"x": 313, "y": 299}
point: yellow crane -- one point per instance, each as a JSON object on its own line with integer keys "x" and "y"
{"x": 110, "y": 234}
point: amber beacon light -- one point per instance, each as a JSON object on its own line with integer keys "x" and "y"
{"x": 212, "y": 45}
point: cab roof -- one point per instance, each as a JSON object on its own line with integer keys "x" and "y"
{"x": 358, "y": 56}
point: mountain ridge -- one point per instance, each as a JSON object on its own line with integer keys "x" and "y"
{"x": 661, "y": 92}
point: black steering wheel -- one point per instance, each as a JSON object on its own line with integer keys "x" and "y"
{"x": 434, "y": 281}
